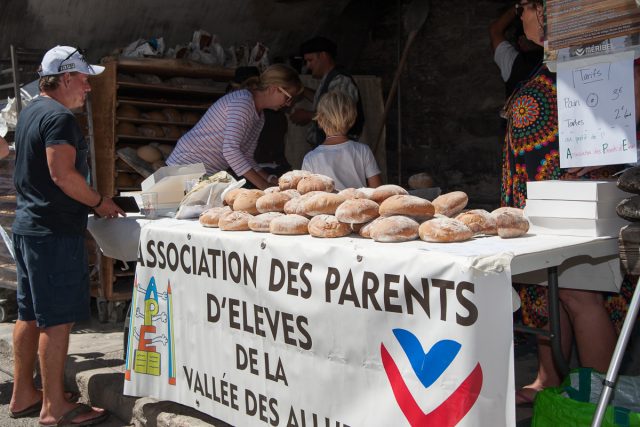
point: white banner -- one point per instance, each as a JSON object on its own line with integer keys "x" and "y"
{"x": 257, "y": 329}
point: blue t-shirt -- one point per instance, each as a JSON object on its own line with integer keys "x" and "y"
{"x": 42, "y": 207}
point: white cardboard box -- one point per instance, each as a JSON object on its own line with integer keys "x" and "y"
{"x": 571, "y": 208}
{"x": 575, "y": 190}
{"x": 577, "y": 226}
{"x": 169, "y": 183}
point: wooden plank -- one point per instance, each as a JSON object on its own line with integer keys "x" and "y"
{"x": 139, "y": 138}
{"x": 149, "y": 121}
{"x": 129, "y": 156}
{"x": 160, "y": 105}
{"x": 174, "y": 67}
{"x": 199, "y": 91}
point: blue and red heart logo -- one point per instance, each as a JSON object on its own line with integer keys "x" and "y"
{"x": 428, "y": 367}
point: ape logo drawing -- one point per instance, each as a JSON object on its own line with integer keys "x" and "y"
{"x": 156, "y": 315}
{"x": 428, "y": 367}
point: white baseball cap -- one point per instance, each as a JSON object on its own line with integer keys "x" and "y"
{"x": 66, "y": 59}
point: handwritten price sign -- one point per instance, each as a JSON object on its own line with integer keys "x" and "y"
{"x": 596, "y": 111}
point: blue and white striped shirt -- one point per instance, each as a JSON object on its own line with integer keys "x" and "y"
{"x": 226, "y": 136}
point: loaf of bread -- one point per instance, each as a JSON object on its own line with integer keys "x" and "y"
{"x": 315, "y": 182}
{"x": 444, "y": 230}
{"x": 365, "y": 230}
{"x": 393, "y": 229}
{"x": 629, "y": 181}
{"x": 328, "y": 226}
{"x": 412, "y": 206}
{"x": 235, "y": 221}
{"x": 420, "y": 180}
{"x": 150, "y": 131}
{"x": 261, "y": 222}
{"x": 211, "y": 216}
{"x": 188, "y": 117}
{"x": 295, "y": 205}
{"x": 357, "y": 211}
{"x": 149, "y": 153}
{"x": 322, "y": 203}
{"x": 289, "y": 225}
{"x": 246, "y": 201}
{"x": 512, "y": 224}
{"x": 128, "y": 111}
{"x": 290, "y": 180}
{"x": 352, "y": 193}
{"x": 498, "y": 211}
{"x": 172, "y": 115}
{"x": 292, "y": 193}
{"x": 271, "y": 190}
{"x": 272, "y": 202}
{"x": 230, "y": 196}
{"x": 155, "y": 115}
{"x": 383, "y": 192}
{"x": 451, "y": 204}
{"x": 126, "y": 128}
{"x": 479, "y": 221}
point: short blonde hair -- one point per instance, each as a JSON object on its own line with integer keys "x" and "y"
{"x": 336, "y": 113}
{"x": 277, "y": 75}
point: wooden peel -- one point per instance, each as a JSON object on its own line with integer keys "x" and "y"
{"x": 414, "y": 17}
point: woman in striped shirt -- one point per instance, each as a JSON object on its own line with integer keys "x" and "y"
{"x": 227, "y": 135}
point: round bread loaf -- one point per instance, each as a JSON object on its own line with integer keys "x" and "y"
{"x": 154, "y": 115}
{"x": 150, "y": 131}
{"x": 498, "y": 211}
{"x": 158, "y": 164}
{"x": 173, "y": 115}
{"x": 315, "y": 182}
{"x": 322, "y": 203}
{"x": 231, "y": 195}
{"x": 290, "y": 180}
{"x": 479, "y": 221}
{"x": 295, "y": 205}
{"x": 328, "y": 226}
{"x": 235, "y": 221}
{"x": 292, "y": 193}
{"x": 271, "y": 190}
{"x": 629, "y": 181}
{"x": 412, "y": 206}
{"x": 444, "y": 230}
{"x": 511, "y": 224}
{"x": 171, "y": 131}
{"x": 420, "y": 180}
{"x": 357, "y": 211}
{"x": 368, "y": 192}
{"x": 187, "y": 117}
{"x": 246, "y": 201}
{"x": 352, "y": 193}
{"x": 272, "y": 202}
{"x": 451, "y": 204}
{"x": 260, "y": 223}
{"x": 126, "y": 128}
{"x": 211, "y": 216}
{"x": 365, "y": 230}
{"x": 383, "y": 192}
{"x": 289, "y": 224}
{"x": 393, "y": 229}
{"x": 128, "y": 111}
{"x": 149, "y": 153}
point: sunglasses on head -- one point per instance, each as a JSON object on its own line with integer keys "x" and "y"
{"x": 286, "y": 94}
{"x": 82, "y": 58}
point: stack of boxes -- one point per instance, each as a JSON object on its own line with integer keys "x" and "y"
{"x": 574, "y": 208}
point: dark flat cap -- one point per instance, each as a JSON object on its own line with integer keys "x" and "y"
{"x": 319, "y": 44}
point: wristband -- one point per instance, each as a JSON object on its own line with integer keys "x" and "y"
{"x": 99, "y": 203}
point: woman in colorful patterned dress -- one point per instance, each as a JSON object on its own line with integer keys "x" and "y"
{"x": 531, "y": 154}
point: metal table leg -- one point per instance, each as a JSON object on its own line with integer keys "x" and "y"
{"x": 554, "y": 322}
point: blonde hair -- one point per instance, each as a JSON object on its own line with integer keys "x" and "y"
{"x": 336, "y": 113}
{"x": 277, "y": 75}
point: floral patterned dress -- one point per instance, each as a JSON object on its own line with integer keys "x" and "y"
{"x": 530, "y": 153}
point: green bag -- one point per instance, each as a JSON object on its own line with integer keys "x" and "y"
{"x": 568, "y": 406}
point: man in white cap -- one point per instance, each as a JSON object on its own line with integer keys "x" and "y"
{"x": 53, "y": 201}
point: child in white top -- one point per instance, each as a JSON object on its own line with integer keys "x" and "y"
{"x": 351, "y": 164}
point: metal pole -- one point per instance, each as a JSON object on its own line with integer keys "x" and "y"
{"x": 16, "y": 79}
{"x": 554, "y": 322}
{"x": 612, "y": 374}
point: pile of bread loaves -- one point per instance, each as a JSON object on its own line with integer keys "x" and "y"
{"x": 305, "y": 203}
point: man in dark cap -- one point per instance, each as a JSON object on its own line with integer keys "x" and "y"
{"x": 319, "y": 54}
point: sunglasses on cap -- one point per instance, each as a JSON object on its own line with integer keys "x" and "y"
{"x": 80, "y": 53}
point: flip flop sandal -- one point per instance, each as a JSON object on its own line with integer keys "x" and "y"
{"x": 71, "y": 397}
{"x": 523, "y": 399}
{"x": 27, "y": 412}
{"x": 67, "y": 419}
